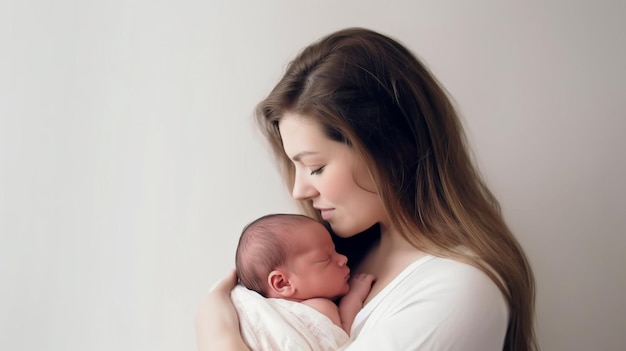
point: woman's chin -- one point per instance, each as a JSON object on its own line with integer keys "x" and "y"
{"x": 339, "y": 230}
{"x": 344, "y": 231}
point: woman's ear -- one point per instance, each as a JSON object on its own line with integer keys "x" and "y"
{"x": 280, "y": 285}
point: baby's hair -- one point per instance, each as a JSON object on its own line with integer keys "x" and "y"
{"x": 263, "y": 247}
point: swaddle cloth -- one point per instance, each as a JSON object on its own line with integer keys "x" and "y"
{"x": 269, "y": 324}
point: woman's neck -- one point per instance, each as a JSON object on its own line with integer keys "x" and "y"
{"x": 388, "y": 258}
{"x": 393, "y": 242}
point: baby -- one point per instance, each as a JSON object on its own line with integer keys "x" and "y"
{"x": 293, "y": 257}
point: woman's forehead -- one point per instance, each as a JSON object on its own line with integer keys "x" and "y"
{"x": 302, "y": 136}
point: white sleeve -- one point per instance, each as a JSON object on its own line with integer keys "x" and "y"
{"x": 442, "y": 305}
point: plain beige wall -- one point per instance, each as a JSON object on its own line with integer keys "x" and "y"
{"x": 129, "y": 162}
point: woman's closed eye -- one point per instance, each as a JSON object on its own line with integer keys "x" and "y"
{"x": 317, "y": 171}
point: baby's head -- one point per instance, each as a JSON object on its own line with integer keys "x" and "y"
{"x": 290, "y": 256}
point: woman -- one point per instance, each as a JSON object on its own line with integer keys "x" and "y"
{"x": 370, "y": 143}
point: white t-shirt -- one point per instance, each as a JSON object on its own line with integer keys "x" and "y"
{"x": 434, "y": 304}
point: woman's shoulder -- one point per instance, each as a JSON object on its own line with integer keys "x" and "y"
{"x": 436, "y": 303}
{"x": 451, "y": 284}
{"x": 448, "y": 266}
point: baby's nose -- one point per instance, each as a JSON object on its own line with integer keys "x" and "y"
{"x": 343, "y": 260}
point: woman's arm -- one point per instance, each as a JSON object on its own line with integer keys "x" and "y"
{"x": 217, "y": 323}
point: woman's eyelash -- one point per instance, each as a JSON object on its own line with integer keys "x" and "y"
{"x": 317, "y": 171}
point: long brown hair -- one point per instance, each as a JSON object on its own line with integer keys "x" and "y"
{"x": 370, "y": 92}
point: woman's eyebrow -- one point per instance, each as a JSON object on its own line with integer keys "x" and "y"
{"x": 299, "y": 155}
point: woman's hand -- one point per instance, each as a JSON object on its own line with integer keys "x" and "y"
{"x": 217, "y": 323}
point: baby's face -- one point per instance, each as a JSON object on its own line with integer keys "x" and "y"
{"x": 317, "y": 270}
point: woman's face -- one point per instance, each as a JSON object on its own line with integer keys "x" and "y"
{"x": 331, "y": 176}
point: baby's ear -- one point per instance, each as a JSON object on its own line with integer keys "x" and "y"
{"x": 279, "y": 284}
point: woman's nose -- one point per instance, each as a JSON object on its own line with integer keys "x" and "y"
{"x": 302, "y": 189}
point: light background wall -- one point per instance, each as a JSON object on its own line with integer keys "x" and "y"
{"x": 129, "y": 161}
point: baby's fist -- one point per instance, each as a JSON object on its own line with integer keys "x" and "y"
{"x": 361, "y": 284}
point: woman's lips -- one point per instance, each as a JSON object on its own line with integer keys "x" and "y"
{"x": 326, "y": 213}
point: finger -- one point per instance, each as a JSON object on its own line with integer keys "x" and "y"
{"x": 227, "y": 283}
{"x": 362, "y": 276}
{"x": 365, "y": 278}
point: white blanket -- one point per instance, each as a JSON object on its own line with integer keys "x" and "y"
{"x": 269, "y": 324}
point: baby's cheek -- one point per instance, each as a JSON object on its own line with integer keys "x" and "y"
{"x": 346, "y": 288}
